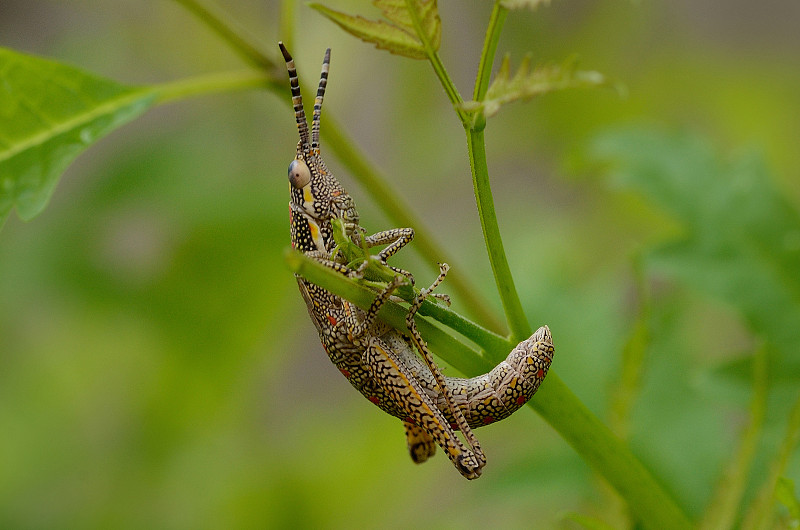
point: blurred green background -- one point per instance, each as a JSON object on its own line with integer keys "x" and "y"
{"x": 158, "y": 368}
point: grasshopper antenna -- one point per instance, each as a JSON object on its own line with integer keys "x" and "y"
{"x": 323, "y": 82}
{"x": 297, "y": 98}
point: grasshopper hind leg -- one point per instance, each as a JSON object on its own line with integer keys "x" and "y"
{"x": 391, "y": 374}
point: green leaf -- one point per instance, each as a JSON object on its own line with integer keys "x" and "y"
{"x": 526, "y": 84}
{"x": 409, "y": 26}
{"x": 742, "y": 237}
{"x": 50, "y": 113}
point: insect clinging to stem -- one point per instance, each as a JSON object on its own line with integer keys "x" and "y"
{"x": 379, "y": 361}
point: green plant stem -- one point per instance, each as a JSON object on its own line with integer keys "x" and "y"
{"x": 723, "y": 509}
{"x": 230, "y": 31}
{"x": 517, "y": 321}
{"x": 436, "y": 62}
{"x": 210, "y": 83}
{"x": 496, "y": 21}
{"x": 515, "y": 316}
{"x": 609, "y": 456}
{"x": 761, "y": 512}
{"x": 449, "y": 86}
{"x": 487, "y": 340}
{"x": 558, "y": 406}
{"x": 628, "y": 386}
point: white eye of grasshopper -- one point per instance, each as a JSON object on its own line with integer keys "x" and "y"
{"x": 299, "y": 174}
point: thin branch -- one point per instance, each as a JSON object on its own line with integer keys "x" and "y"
{"x": 230, "y": 31}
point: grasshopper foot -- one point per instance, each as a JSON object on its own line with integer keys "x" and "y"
{"x": 468, "y": 465}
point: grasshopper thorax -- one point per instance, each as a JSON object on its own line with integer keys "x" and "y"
{"x": 316, "y": 196}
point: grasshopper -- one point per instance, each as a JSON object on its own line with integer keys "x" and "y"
{"x": 379, "y": 361}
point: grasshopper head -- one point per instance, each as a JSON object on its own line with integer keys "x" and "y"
{"x": 315, "y": 195}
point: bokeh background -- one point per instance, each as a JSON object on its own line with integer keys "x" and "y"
{"x": 157, "y": 366}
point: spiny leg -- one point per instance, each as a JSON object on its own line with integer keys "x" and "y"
{"x": 422, "y": 347}
{"x": 323, "y": 258}
{"x": 358, "y": 326}
{"x": 399, "y": 383}
{"x": 397, "y": 238}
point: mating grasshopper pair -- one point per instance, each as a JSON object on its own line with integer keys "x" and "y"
{"x": 379, "y": 361}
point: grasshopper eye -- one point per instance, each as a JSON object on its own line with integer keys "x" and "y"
{"x": 299, "y": 174}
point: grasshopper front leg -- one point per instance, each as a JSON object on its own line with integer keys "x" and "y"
{"x": 396, "y": 238}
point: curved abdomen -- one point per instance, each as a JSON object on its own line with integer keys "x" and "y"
{"x": 497, "y": 394}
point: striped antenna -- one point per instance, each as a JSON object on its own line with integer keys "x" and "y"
{"x": 297, "y": 98}
{"x": 323, "y": 82}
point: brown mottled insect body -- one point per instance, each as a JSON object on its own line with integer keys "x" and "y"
{"x": 379, "y": 361}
